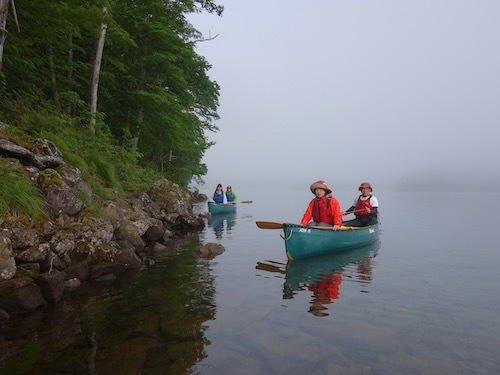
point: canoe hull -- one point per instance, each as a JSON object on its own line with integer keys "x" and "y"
{"x": 221, "y": 208}
{"x": 302, "y": 241}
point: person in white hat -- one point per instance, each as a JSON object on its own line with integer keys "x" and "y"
{"x": 365, "y": 207}
{"x": 323, "y": 209}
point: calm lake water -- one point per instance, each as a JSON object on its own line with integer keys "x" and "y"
{"x": 424, "y": 300}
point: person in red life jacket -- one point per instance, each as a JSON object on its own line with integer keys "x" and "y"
{"x": 365, "y": 207}
{"x": 324, "y": 209}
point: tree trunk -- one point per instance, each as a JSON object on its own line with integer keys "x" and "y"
{"x": 4, "y": 10}
{"x": 95, "y": 77}
{"x": 70, "y": 72}
{"x": 53, "y": 76}
{"x": 136, "y": 136}
{"x": 140, "y": 119}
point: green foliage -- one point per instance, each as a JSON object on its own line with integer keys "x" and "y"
{"x": 98, "y": 189}
{"x": 105, "y": 169}
{"x": 154, "y": 90}
{"x": 19, "y": 195}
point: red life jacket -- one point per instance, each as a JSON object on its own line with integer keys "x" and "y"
{"x": 321, "y": 211}
{"x": 362, "y": 205}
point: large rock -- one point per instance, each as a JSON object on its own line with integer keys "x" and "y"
{"x": 20, "y": 295}
{"x": 80, "y": 271}
{"x": 23, "y": 237}
{"x": 70, "y": 175}
{"x": 34, "y": 254}
{"x": 210, "y": 250}
{"x": 170, "y": 197}
{"x": 122, "y": 252}
{"x": 155, "y": 231}
{"x": 142, "y": 203}
{"x": 114, "y": 214}
{"x": 51, "y": 285}
{"x": 88, "y": 239}
{"x": 62, "y": 201}
{"x": 129, "y": 232}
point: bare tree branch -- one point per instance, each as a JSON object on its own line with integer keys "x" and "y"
{"x": 210, "y": 37}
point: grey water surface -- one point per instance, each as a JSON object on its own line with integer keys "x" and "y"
{"x": 424, "y": 300}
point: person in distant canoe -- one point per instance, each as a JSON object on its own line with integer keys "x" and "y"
{"x": 219, "y": 194}
{"x": 365, "y": 207}
{"x": 324, "y": 209}
{"x": 231, "y": 197}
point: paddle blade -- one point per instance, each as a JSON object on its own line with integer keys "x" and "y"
{"x": 245, "y": 202}
{"x": 269, "y": 267}
{"x": 269, "y": 225}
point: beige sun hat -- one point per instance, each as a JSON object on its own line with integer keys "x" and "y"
{"x": 321, "y": 185}
{"x": 365, "y": 185}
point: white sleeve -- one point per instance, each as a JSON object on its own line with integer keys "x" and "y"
{"x": 373, "y": 201}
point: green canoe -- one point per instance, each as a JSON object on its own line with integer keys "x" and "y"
{"x": 221, "y": 208}
{"x": 302, "y": 241}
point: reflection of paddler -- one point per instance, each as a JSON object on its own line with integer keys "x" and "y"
{"x": 365, "y": 269}
{"x": 219, "y": 228}
{"x": 221, "y": 222}
{"x": 327, "y": 289}
{"x": 230, "y": 222}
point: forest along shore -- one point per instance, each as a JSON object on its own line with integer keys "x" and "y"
{"x": 81, "y": 236}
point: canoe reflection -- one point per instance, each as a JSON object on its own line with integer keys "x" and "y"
{"x": 222, "y": 222}
{"x": 322, "y": 275}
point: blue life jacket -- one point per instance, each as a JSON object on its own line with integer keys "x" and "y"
{"x": 218, "y": 197}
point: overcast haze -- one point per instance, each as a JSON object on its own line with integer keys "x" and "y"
{"x": 399, "y": 93}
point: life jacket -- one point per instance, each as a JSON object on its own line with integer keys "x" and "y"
{"x": 321, "y": 211}
{"x": 218, "y": 197}
{"x": 361, "y": 205}
{"x": 230, "y": 197}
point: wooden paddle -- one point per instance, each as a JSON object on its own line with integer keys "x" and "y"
{"x": 269, "y": 225}
{"x": 202, "y": 203}
{"x": 237, "y": 202}
{"x": 353, "y": 212}
{"x": 274, "y": 225}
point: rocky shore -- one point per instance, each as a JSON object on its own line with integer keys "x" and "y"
{"x": 44, "y": 257}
